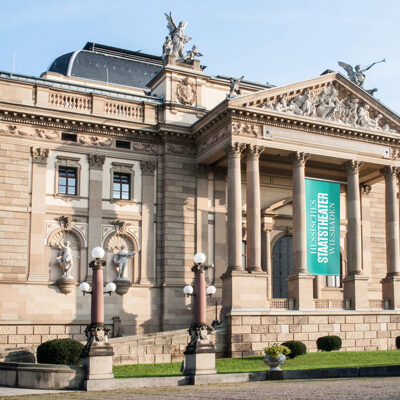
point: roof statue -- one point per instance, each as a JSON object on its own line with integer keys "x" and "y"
{"x": 235, "y": 87}
{"x": 191, "y": 54}
{"x": 356, "y": 74}
{"x": 176, "y": 40}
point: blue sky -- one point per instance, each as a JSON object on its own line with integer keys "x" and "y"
{"x": 267, "y": 41}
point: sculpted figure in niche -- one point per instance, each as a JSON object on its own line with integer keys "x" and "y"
{"x": 65, "y": 258}
{"x": 120, "y": 259}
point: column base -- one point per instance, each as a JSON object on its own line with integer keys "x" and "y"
{"x": 241, "y": 290}
{"x": 200, "y": 352}
{"x": 301, "y": 289}
{"x": 355, "y": 288}
{"x": 391, "y": 291}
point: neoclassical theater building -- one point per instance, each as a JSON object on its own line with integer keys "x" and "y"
{"x": 111, "y": 147}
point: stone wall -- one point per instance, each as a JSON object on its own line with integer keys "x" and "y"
{"x": 249, "y": 334}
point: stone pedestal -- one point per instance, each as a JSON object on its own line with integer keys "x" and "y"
{"x": 355, "y": 288}
{"x": 97, "y": 355}
{"x": 391, "y": 291}
{"x": 66, "y": 284}
{"x": 241, "y": 290}
{"x": 122, "y": 285}
{"x": 200, "y": 352}
{"x": 301, "y": 288}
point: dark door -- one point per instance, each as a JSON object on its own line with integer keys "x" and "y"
{"x": 282, "y": 256}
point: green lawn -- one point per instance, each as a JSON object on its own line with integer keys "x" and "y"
{"x": 251, "y": 364}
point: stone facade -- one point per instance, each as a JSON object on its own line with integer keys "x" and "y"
{"x": 145, "y": 168}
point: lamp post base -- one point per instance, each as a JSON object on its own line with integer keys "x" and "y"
{"x": 200, "y": 352}
{"x": 97, "y": 355}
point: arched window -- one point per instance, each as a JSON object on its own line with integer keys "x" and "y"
{"x": 282, "y": 266}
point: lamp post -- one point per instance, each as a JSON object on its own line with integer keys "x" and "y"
{"x": 97, "y": 353}
{"x": 200, "y": 352}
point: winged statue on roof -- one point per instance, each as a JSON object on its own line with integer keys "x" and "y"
{"x": 356, "y": 74}
{"x": 177, "y": 37}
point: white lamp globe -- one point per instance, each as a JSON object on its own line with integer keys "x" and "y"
{"x": 98, "y": 252}
{"x": 84, "y": 287}
{"x": 211, "y": 290}
{"x": 188, "y": 290}
{"x": 199, "y": 258}
{"x": 111, "y": 287}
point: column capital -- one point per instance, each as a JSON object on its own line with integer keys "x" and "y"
{"x": 96, "y": 161}
{"x": 253, "y": 152}
{"x": 353, "y": 166}
{"x": 390, "y": 171}
{"x": 39, "y": 155}
{"x": 299, "y": 158}
{"x": 234, "y": 150}
{"x": 148, "y": 167}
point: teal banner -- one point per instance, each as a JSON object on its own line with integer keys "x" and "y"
{"x": 323, "y": 227}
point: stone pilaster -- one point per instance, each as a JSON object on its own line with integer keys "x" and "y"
{"x": 96, "y": 163}
{"x": 38, "y": 270}
{"x": 253, "y": 208}
{"x": 391, "y": 283}
{"x": 202, "y": 209}
{"x": 147, "y": 275}
{"x": 266, "y": 256}
{"x": 355, "y": 283}
{"x": 300, "y": 283}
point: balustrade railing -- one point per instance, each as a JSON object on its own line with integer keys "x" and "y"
{"x": 125, "y": 111}
{"x": 70, "y": 102}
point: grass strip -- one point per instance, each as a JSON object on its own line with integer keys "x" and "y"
{"x": 337, "y": 359}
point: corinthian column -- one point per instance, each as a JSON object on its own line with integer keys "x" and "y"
{"x": 354, "y": 240}
{"x": 253, "y": 212}
{"x": 391, "y": 284}
{"x": 355, "y": 284}
{"x": 234, "y": 152}
{"x": 299, "y": 160}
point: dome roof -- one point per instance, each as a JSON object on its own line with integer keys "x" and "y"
{"x": 109, "y": 64}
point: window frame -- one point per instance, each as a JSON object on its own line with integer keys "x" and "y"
{"x": 67, "y": 162}
{"x": 121, "y": 184}
{"x": 126, "y": 169}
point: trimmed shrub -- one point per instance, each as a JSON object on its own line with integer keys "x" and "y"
{"x": 398, "y": 343}
{"x": 296, "y": 348}
{"x": 329, "y": 343}
{"x": 60, "y": 351}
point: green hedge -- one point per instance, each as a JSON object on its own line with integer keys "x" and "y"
{"x": 60, "y": 351}
{"x": 296, "y": 348}
{"x": 329, "y": 343}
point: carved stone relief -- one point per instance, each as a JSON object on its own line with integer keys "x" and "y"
{"x": 181, "y": 149}
{"x": 186, "y": 92}
{"x": 30, "y": 132}
{"x": 39, "y": 155}
{"x": 245, "y": 129}
{"x": 214, "y": 138}
{"x": 95, "y": 140}
{"x": 332, "y": 103}
{"x": 145, "y": 147}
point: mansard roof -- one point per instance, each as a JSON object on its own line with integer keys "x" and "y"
{"x": 109, "y": 64}
{"x": 330, "y": 98}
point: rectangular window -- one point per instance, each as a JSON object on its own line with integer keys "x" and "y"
{"x": 121, "y": 186}
{"x": 67, "y": 182}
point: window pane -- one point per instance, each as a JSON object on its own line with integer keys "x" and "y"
{"x": 71, "y": 182}
{"x": 125, "y": 187}
{"x": 62, "y": 189}
{"x": 125, "y": 196}
{"x": 117, "y": 178}
{"x": 116, "y": 194}
{"x": 71, "y": 189}
{"x": 62, "y": 181}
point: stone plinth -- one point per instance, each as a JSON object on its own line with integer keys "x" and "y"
{"x": 356, "y": 289}
{"x": 391, "y": 291}
{"x": 241, "y": 290}
{"x": 300, "y": 288}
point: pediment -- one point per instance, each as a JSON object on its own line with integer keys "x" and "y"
{"x": 330, "y": 98}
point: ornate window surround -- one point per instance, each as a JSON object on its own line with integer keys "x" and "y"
{"x": 63, "y": 161}
{"x": 125, "y": 169}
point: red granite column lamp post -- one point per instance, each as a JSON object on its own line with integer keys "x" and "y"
{"x": 97, "y": 353}
{"x": 200, "y": 352}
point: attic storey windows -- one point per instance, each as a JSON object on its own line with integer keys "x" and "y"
{"x": 67, "y": 176}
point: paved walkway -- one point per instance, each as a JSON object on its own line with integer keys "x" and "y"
{"x": 335, "y": 389}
